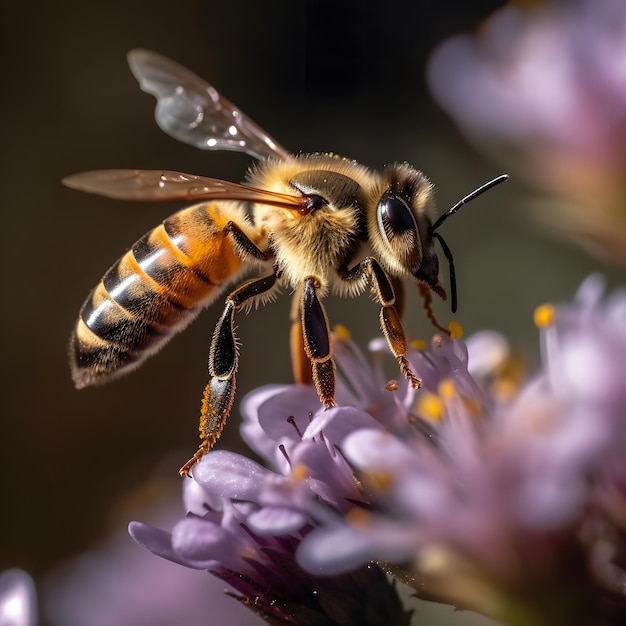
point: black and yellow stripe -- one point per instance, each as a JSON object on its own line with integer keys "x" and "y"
{"x": 152, "y": 292}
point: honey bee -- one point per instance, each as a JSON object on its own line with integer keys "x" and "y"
{"x": 312, "y": 223}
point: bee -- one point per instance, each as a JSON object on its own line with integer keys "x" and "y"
{"x": 313, "y": 224}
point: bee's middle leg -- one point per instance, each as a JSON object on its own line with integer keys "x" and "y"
{"x": 316, "y": 337}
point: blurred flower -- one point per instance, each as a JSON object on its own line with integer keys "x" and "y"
{"x": 543, "y": 85}
{"x": 18, "y": 599}
{"x": 505, "y": 507}
{"x": 119, "y": 584}
{"x": 477, "y": 490}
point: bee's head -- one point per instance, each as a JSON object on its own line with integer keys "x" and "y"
{"x": 404, "y": 215}
{"x": 405, "y": 227}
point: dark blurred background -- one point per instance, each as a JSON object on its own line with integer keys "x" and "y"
{"x": 329, "y": 75}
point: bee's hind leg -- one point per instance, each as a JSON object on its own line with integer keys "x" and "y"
{"x": 223, "y": 360}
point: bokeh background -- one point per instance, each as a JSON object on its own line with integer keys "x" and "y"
{"x": 341, "y": 75}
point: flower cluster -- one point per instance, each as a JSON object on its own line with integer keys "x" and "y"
{"x": 477, "y": 490}
{"x": 543, "y": 87}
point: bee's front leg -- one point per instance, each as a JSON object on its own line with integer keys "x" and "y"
{"x": 390, "y": 322}
{"x": 223, "y": 360}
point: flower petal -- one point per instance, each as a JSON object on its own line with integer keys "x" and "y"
{"x": 338, "y": 549}
{"x": 229, "y": 475}
{"x": 154, "y": 540}
{"x": 276, "y": 521}
{"x": 371, "y": 449}
{"x": 201, "y": 544}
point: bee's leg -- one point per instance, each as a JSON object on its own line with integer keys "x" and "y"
{"x": 223, "y": 359}
{"x": 398, "y": 289}
{"x": 243, "y": 244}
{"x": 316, "y": 337}
{"x": 389, "y": 317}
{"x": 300, "y": 363}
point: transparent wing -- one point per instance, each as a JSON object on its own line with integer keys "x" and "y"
{"x": 192, "y": 111}
{"x": 162, "y": 185}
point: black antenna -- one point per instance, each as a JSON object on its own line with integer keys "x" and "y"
{"x": 448, "y": 254}
{"x": 446, "y": 250}
{"x": 468, "y": 197}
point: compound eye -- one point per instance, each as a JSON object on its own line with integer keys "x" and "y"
{"x": 395, "y": 217}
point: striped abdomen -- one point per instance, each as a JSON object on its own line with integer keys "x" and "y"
{"x": 152, "y": 292}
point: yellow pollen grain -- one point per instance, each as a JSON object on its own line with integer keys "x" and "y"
{"x": 300, "y": 472}
{"x": 447, "y": 390}
{"x": 430, "y": 407}
{"x": 505, "y": 389}
{"x": 248, "y": 553}
{"x": 380, "y": 480}
{"x": 434, "y": 559}
{"x": 358, "y": 517}
{"x": 418, "y": 344}
{"x": 342, "y": 333}
{"x": 456, "y": 330}
{"x": 472, "y": 406}
{"x": 544, "y": 315}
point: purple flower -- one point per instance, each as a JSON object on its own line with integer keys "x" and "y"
{"x": 543, "y": 87}
{"x": 478, "y": 489}
{"x": 511, "y": 502}
{"x": 245, "y": 522}
{"x": 263, "y": 571}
